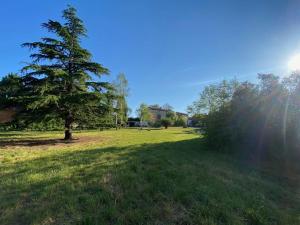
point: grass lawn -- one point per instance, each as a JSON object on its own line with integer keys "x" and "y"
{"x": 135, "y": 177}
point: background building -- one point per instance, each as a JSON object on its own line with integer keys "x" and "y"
{"x": 158, "y": 113}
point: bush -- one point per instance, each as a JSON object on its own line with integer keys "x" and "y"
{"x": 180, "y": 122}
{"x": 157, "y": 124}
{"x": 166, "y": 122}
{"x": 257, "y": 121}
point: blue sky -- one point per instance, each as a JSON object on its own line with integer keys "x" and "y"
{"x": 169, "y": 50}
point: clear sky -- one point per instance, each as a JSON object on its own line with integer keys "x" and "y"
{"x": 168, "y": 49}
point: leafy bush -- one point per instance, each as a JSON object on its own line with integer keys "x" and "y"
{"x": 157, "y": 124}
{"x": 180, "y": 122}
{"x": 166, "y": 122}
{"x": 258, "y": 121}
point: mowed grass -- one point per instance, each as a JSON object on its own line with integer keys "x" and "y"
{"x": 135, "y": 177}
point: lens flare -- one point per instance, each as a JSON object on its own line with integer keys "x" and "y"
{"x": 294, "y": 63}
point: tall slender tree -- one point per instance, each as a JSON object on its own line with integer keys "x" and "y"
{"x": 143, "y": 113}
{"x": 62, "y": 74}
{"x": 121, "y": 93}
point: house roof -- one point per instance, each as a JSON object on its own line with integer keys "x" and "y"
{"x": 165, "y": 110}
{"x": 181, "y": 114}
{"x": 157, "y": 108}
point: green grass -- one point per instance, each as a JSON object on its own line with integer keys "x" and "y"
{"x": 135, "y": 177}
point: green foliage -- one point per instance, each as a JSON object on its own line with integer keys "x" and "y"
{"x": 157, "y": 124}
{"x": 213, "y": 97}
{"x": 13, "y": 98}
{"x": 180, "y": 121}
{"x": 46, "y": 125}
{"x": 60, "y": 80}
{"x": 217, "y": 129}
{"x": 10, "y": 87}
{"x": 258, "y": 121}
{"x": 198, "y": 120}
{"x": 143, "y": 113}
{"x": 166, "y": 122}
{"x": 167, "y": 107}
{"x": 171, "y": 115}
{"x": 121, "y": 91}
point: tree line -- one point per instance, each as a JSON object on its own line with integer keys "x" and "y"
{"x": 259, "y": 121}
{"x": 62, "y": 84}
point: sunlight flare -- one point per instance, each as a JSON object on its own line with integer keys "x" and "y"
{"x": 294, "y": 63}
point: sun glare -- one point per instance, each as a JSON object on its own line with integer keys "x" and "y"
{"x": 294, "y": 63}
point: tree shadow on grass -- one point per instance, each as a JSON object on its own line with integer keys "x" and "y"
{"x": 41, "y": 142}
{"x": 165, "y": 183}
{"x": 33, "y": 142}
{"x": 191, "y": 131}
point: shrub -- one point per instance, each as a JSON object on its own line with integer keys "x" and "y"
{"x": 180, "y": 122}
{"x": 157, "y": 124}
{"x": 166, "y": 122}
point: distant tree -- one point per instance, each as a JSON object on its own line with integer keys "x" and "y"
{"x": 157, "y": 124}
{"x": 137, "y": 119}
{"x": 12, "y": 90}
{"x": 155, "y": 106}
{"x": 171, "y": 115}
{"x": 191, "y": 110}
{"x": 198, "y": 120}
{"x": 167, "y": 107}
{"x": 180, "y": 121}
{"x": 261, "y": 120}
{"x": 213, "y": 97}
{"x": 215, "y": 101}
{"x": 61, "y": 75}
{"x": 11, "y": 86}
{"x": 143, "y": 113}
{"x": 121, "y": 93}
{"x": 166, "y": 122}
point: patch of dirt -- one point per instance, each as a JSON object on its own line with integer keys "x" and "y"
{"x": 46, "y": 143}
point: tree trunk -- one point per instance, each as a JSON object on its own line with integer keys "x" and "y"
{"x": 68, "y": 134}
{"x": 68, "y": 126}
